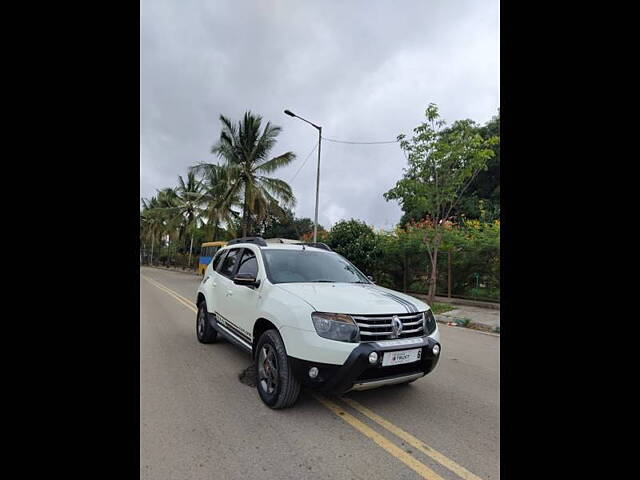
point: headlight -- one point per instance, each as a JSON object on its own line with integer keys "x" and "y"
{"x": 429, "y": 322}
{"x": 335, "y": 326}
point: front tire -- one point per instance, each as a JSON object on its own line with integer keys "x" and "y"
{"x": 276, "y": 384}
{"x": 204, "y": 331}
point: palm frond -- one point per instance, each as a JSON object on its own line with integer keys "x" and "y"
{"x": 279, "y": 189}
{"x": 276, "y": 163}
{"x": 266, "y": 142}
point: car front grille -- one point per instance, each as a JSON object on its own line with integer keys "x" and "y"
{"x": 379, "y": 327}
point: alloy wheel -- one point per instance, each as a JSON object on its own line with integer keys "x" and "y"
{"x": 201, "y": 322}
{"x": 268, "y": 375}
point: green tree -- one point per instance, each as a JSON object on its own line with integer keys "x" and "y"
{"x": 246, "y": 148}
{"x": 151, "y": 222}
{"x": 189, "y": 206}
{"x": 304, "y": 226}
{"x": 167, "y": 200}
{"x": 356, "y": 241}
{"x": 181, "y": 210}
{"x": 443, "y": 162}
{"x": 482, "y": 198}
{"x": 284, "y": 224}
{"x": 219, "y": 207}
{"x": 168, "y": 207}
{"x": 482, "y": 201}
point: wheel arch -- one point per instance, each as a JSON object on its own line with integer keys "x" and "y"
{"x": 200, "y": 298}
{"x": 260, "y": 326}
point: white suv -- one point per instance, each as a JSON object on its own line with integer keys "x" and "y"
{"x": 309, "y": 317}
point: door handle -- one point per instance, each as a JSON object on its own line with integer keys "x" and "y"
{"x": 229, "y": 293}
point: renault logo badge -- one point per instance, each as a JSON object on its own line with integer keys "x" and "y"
{"x": 396, "y": 326}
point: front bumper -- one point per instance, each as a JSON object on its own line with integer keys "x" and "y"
{"x": 358, "y": 374}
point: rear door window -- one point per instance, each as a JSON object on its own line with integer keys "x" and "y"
{"x": 216, "y": 260}
{"x": 229, "y": 262}
{"x": 248, "y": 264}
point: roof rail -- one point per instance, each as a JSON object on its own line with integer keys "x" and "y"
{"x": 321, "y": 245}
{"x": 257, "y": 240}
{"x": 282, "y": 240}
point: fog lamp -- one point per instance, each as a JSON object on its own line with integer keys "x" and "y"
{"x": 313, "y": 372}
{"x": 373, "y": 357}
{"x": 436, "y": 349}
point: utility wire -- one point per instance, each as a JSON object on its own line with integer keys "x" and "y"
{"x": 303, "y": 163}
{"x": 336, "y": 141}
{"x": 356, "y": 143}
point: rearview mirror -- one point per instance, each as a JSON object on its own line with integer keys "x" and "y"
{"x": 247, "y": 279}
{"x": 370, "y": 278}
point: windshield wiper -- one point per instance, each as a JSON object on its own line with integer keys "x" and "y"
{"x": 323, "y": 281}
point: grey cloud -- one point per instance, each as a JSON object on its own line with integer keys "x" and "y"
{"x": 363, "y": 70}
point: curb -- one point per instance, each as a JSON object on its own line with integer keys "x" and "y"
{"x": 458, "y": 301}
{"x": 458, "y": 322}
{"x": 186, "y": 272}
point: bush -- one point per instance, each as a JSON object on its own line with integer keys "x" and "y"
{"x": 356, "y": 241}
{"x": 399, "y": 259}
{"x": 483, "y": 293}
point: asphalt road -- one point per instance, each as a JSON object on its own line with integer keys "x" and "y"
{"x": 199, "y": 421}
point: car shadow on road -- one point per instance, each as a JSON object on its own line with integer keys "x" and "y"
{"x": 390, "y": 395}
{"x": 248, "y": 375}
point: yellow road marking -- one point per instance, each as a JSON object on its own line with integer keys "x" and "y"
{"x": 175, "y": 295}
{"x": 415, "y": 465}
{"x": 413, "y": 441}
{"x": 172, "y": 291}
{"x": 381, "y": 441}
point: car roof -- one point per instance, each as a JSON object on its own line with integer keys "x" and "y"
{"x": 279, "y": 246}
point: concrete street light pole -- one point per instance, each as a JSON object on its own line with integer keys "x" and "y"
{"x": 315, "y": 222}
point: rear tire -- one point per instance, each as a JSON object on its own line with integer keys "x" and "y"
{"x": 276, "y": 384}
{"x": 204, "y": 331}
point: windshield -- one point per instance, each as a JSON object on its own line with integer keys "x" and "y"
{"x": 295, "y": 266}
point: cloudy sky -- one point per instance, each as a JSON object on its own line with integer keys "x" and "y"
{"x": 363, "y": 70}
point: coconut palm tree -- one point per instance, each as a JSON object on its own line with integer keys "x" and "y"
{"x": 188, "y": 207}
{"x": 245, "y": 149}
{"x": 181, "y": 208}
{"x": 166, "y": 209}
{"x": 151, "y": 221}
{"x": 219, "y": 207}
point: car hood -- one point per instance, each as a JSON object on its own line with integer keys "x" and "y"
{"x": 354, "y": 298}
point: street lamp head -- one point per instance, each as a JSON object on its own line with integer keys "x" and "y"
{"x": 290, "y": 113}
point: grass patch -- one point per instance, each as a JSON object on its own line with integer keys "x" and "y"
{"x": 438, "y": 308}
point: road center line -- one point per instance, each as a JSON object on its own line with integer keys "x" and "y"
{"x": 414, "y": 464}
{"x": 413, "y": 441}
{"x": 188, "y": 300}
{"x": 167, "y": 290}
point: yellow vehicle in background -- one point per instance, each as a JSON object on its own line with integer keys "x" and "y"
{"x": 207, "y": 251}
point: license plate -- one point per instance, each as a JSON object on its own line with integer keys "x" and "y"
{"x": 401, "y": 356}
